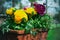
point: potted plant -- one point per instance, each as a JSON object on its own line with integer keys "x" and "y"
{"x": 29, "y": 23}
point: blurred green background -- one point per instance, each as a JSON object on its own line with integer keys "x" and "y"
{"x": 54, "y": 34}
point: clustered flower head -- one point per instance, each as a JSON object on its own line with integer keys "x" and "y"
{"x": 39, "y": 8}
{"x": 29, "y": 10}
{"x": 10, "y": 11}
{"x": 19, "y": 14}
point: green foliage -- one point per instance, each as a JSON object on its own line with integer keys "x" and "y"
{"x": 32, "y": 0}
{"x": 5, "y": 27}
{"x": 35, "y": 22}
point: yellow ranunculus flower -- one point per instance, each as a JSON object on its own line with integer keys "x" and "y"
{"x": 30, "y": 10}
{"x": 10, "y": 11}
{"x": 19, "y": 15}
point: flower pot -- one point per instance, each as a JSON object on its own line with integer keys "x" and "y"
{"x": 20, "y": 35}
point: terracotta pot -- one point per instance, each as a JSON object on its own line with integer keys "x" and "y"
{"x": 44, "y": 35}
{"x": 20, "y": 35}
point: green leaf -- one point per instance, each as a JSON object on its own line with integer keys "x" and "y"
{"x": 18, "y": 28}
{"x": 33, "y": 33}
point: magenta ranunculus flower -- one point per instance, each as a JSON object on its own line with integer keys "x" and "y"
{"x": 39, "y": 8}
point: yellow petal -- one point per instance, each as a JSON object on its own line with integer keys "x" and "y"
{"x": 19, "y": 15}
{"x": 8, "y": 11}
{"x": 30, "y": 10}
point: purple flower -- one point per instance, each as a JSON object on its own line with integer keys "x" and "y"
{"x": 39, "y": 8}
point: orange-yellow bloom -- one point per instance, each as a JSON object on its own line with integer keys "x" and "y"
{"x": 10, "y": 11}
{"x": 30, "y": 10}
{"x": 19, "y": 15}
